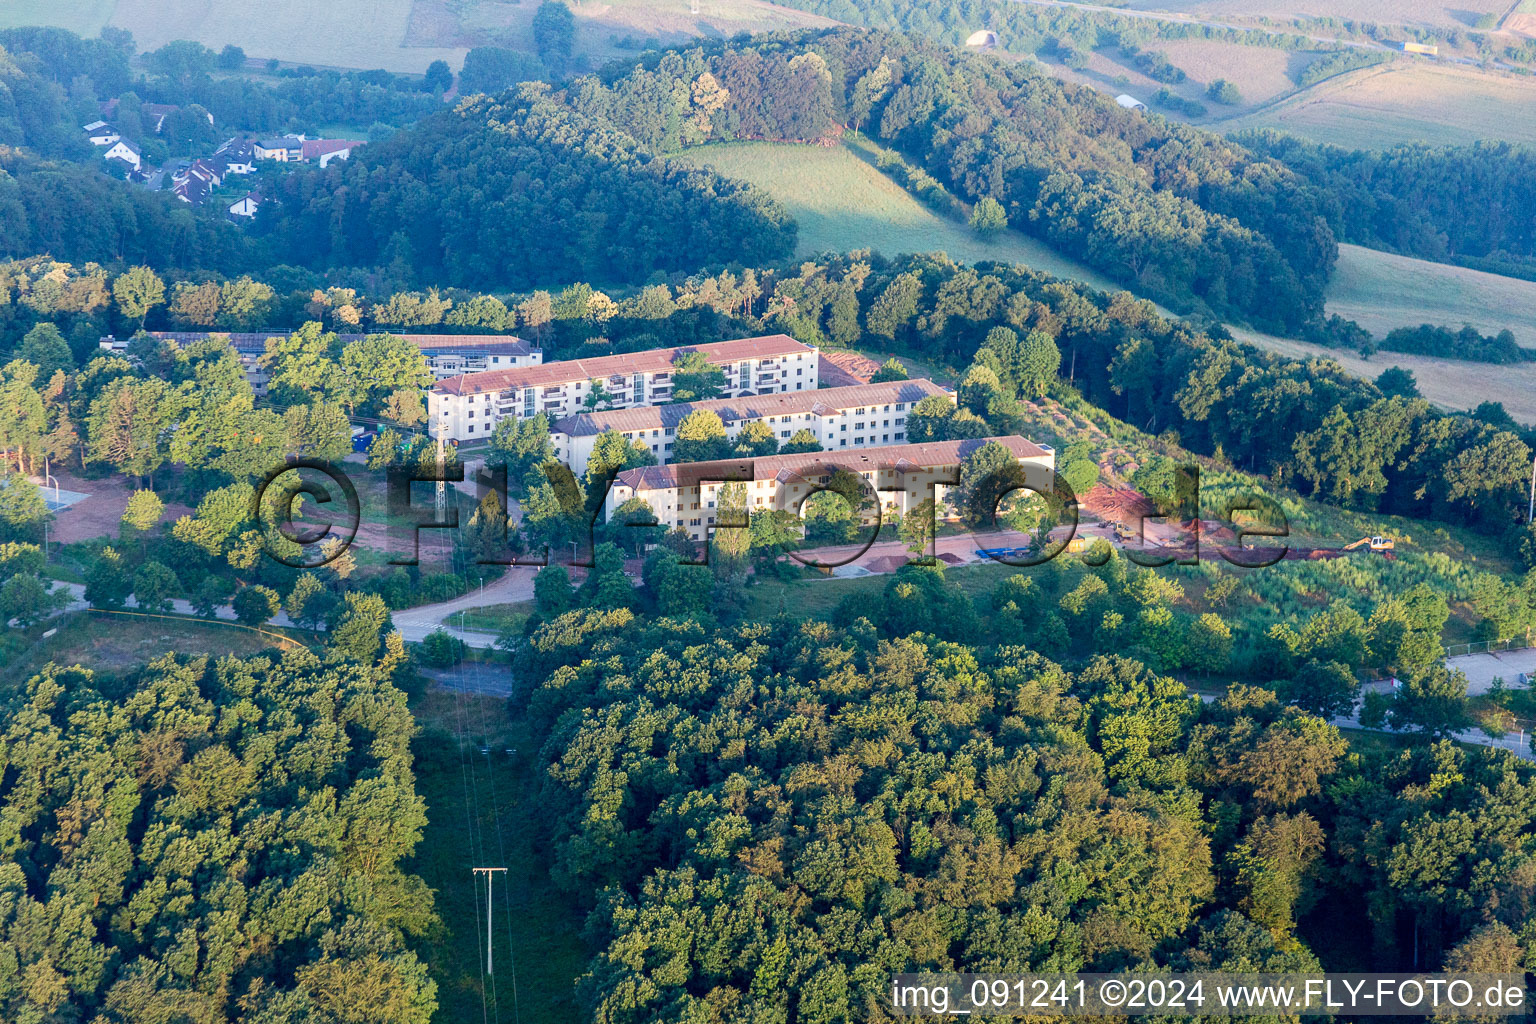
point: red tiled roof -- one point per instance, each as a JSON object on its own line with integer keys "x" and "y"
{"x": 858, "y": 460}
{"x": 750, "y": 407}
{"x": 313, "y": 148}
{"x": 656, "y": 360}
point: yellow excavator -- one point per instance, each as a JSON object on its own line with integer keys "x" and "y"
{"x": 1376, "y": 543}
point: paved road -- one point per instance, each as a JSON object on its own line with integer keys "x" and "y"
{"x": 415, "y": 623}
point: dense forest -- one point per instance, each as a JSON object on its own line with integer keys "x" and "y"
{"x": 1402, "y": 199}
{"x": 212, "y": 841}
{"x": 1187, "y": 216}
{"x": 768, "y": 820}
{"x": 520, "y": 191}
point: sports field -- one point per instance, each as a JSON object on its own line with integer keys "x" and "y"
{"x": 1407, "y": 101}
{"x": 1383, "y": 291}
{"x": 842, "y": 203}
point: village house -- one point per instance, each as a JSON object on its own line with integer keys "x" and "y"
{"x": 468, "y": 407}
{"x": 246, "y": 205}
{"x": 845, "y": 417}
{"x": 684, "y": 496}
{"x": 100, "y": 133}
{"x": 125, "y": 151}
{"x": 296, "y": 149}
{"x": 323, "y": 151}
{"x": 239, "y": 156}
{"x": 287, "y": 150}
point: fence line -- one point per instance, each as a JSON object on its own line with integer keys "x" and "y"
{"x": 1517, "y": 643}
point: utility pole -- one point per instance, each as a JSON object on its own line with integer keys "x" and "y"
{"x": 1530, "y": 512}
{"x": 490, "y": 884}
{"x": 442, "y": 483}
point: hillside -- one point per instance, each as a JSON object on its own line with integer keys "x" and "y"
{"x": 842, "y": 203}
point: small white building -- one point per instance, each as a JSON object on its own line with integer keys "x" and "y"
{"x": 1130, "y": 102}
{"x": 100, "y": 133}
{"x": 125, "y": 151}
{"x": 323, "y": 151}
{"x": 246, "y": 205}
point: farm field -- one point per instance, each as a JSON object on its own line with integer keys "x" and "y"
{"x": 1383, "y": 291}
{"x": 1260, "y": 73}
{"x": 1404, "y": 101}
{"x": 1449, "y": 383}
{"x": 84, "y": 17}
{"x": 1431, "y": 13}
{"x": 843, "y": 203}
{"x": 599, "y": 26}
{"x": 293, "y": 31}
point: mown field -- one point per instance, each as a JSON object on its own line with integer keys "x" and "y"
{"x": 1407, "y": 101}
{"x": 1449, "y": 383}
{"x": 600, "y": 27}
{"x": 85, "y": 17}
{"x": 842, "y": 203}
{"x": 1435, "y": 13}
{"x": 1383, "y": 291}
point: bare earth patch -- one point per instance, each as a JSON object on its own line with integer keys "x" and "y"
{"x": 100, "y": 515}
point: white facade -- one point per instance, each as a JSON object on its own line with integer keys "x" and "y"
{"x": 467, "y": 408}
{"x": 857, "y": 416}
{"x": 125, "y": 151}
{"x": 101, "y": 134}
{"x": 685, "y": 496}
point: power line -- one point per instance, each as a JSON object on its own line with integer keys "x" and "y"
{"x": 490, "y": 885}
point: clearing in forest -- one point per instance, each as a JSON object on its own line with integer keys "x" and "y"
{"x": 1449, "y": 383}
{"x": 843, "y": 203}
{"x": 1383, "y": 291}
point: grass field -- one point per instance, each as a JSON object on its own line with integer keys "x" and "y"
{"x": 116, "y": 644}
{"x": 83, "y": 17}
{"x": 1435, "y": 13}
{"x": 1383, "y": 291}
{"x": 599, "y": 26}
{"x": 1406, "y": 101}
{"x": 1449, "y": 383}
{"x": 843, "y": 203}
{"x": 343, "y": 33}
